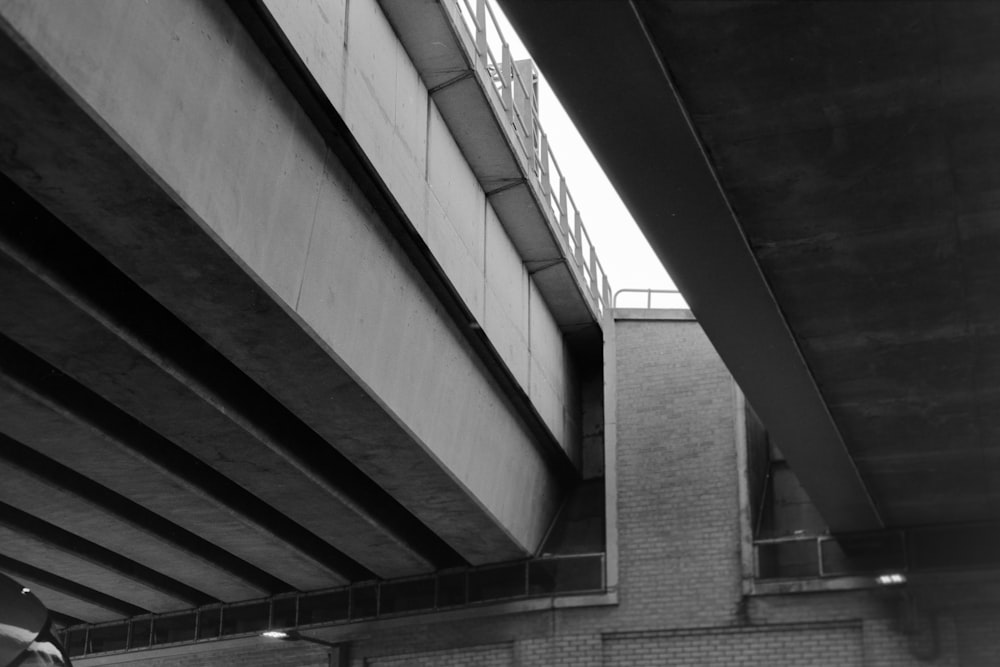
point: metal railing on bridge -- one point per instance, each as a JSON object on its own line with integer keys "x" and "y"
{"x": 519, "y": 103}
{"x": 644, "y": 298}
{"x": 542, "y": 577}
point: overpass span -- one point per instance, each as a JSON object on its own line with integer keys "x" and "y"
{"x": 266, "y": 326}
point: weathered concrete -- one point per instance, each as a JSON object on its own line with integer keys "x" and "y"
{"x": 43, "y": 555}
{"x": 70, "y": 605}
{"x": 76, "y": 444}
{"x": 855, "y": 145}
{"x": 855, "y": 297}
{"x": 98, "y": 350}
{"x": 679, "y": 599}
{"x": 53, "y": 504}
{"x": 275, "y": 258}
{"x": 620, "y": 96}
{"x": 397, "y": 122}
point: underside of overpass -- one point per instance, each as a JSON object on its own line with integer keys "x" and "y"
{"x": 820, "y": 180}
{"x": 230, "y": 365}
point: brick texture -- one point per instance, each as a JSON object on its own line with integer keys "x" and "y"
{"x": 833, "y": 646}
{"x": 486, "y": 656}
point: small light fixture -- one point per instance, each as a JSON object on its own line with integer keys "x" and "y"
{"x": 337, "y": 652}
{"x": 891, "y": 579}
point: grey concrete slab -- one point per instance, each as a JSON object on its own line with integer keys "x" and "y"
{"x": 75, "y": 445}
{"x": 196, "y": 202}
{"x": 58, "y": 601}
{"x": 87, "y": 344}
{"x": 865, "y": 185}
{"x": 47, "y": 557}
{"x": 54, "y": 505}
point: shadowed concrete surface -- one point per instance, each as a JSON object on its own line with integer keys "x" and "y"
{"x": 225, "y": 374}
{"x": 850, "y": 199}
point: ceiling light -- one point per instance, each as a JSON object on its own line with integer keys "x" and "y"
{"x": 889, "y": 579}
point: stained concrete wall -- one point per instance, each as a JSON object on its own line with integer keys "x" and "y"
{"x": 184, "y": 91}
{"x": 352, "y": 52}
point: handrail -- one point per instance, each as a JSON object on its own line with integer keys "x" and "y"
{"x": 817, "y": 561}
{"x": 649, "y": 295}
{"x": 520, "y": 108}
{"x": 445, "y": 590}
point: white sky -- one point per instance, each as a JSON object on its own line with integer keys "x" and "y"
{"x": 621, "y": 248}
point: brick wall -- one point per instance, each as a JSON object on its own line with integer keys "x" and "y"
{"x": 680, "y": 598}
{"x": 677, "y": 502}
{"x": 482, "y": 656}
{"x": 835, "y": 646}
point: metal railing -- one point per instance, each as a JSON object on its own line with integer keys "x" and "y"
{"x": 519, "y": 108}
{"x": 823, "y": 556}
{"x": 672, "y": 295}
{"x": 546, "y": 576}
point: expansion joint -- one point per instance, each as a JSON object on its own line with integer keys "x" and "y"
{"x": 513, "y": 183}
{"x": 450, "y": 82}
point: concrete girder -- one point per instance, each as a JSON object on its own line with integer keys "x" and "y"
{"x": 70, "y": 435}
{"x": 469, "y": 102}
{"x": 610, "y": 78}
{"x": 66, "y": 598}
{"x": 190, "y": 403}
{"x": 147, "y": 209}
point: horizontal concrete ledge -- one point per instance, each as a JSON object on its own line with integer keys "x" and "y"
{"x": 661, "y": 314}
{"x": 794, "y": 586}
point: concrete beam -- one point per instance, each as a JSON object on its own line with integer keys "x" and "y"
{"x": 611, "y": 80}
{"x": 67, "y": 597}
{"x": 74, "y": 310}
{"x": 188, "y": 164}
{"x": 57, "y": 418}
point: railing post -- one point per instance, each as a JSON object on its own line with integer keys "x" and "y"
{"x": 507, "y": 79}
{"x": 578, "y": 238}
{"x": 481, "y": 30}
{"x": 593, "y": 271}
{"x": 607, "y": 291}
{"x": 563, "y": 216}
{"x": 544, "y": 159}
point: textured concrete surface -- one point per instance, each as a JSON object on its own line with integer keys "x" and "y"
{"x": 854, "y": 144}
{"x": 88, "y": 344}
{"x": 276, "y": 260}
{"x": 412, "y": 138}
{"x": 76, "y": 444}
{"x": 616, "y": 92}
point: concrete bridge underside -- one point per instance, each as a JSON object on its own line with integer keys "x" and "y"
{"x": 818, "y": 178}
{"x": 224, "y": 375}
